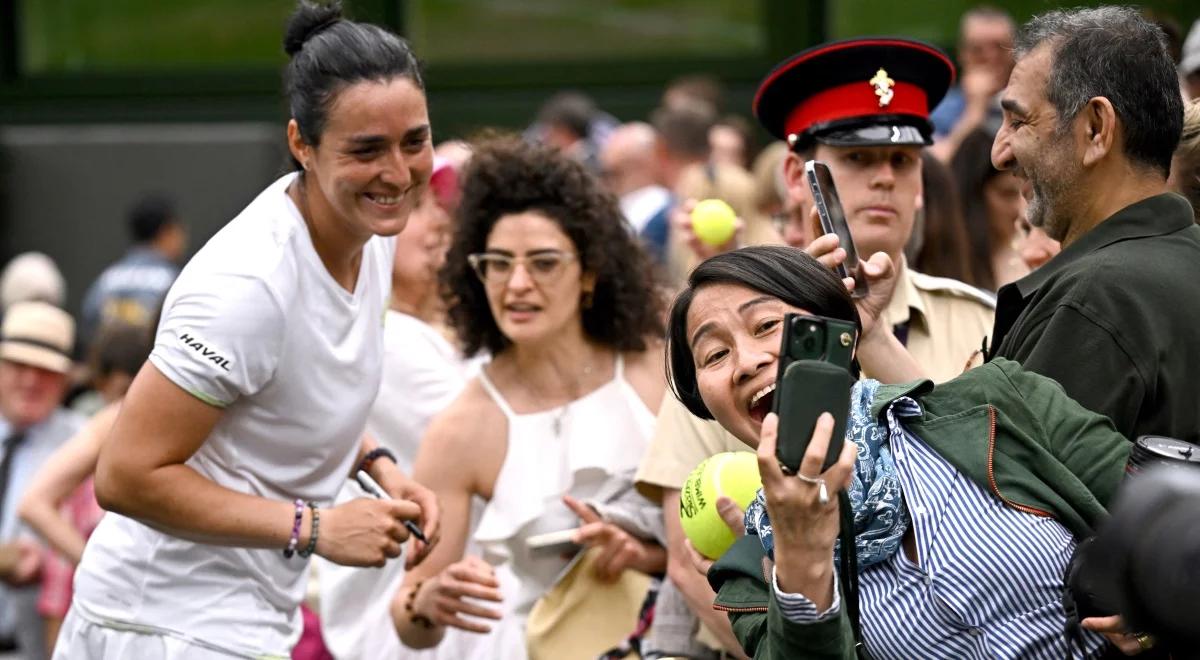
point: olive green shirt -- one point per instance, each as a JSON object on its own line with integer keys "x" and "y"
{"x": 1115, "y": 319}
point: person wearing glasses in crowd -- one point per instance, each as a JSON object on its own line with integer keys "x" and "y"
{"x": 543, "y": 275}
{"x": 222, "y": 465}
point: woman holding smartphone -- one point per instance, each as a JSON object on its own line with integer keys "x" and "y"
{"x": 543, "y": 275}
{"x": 237, "y": 434}
{"x": 936, "y": 475}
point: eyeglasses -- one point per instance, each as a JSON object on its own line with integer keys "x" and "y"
{"x": 543, "y": 266}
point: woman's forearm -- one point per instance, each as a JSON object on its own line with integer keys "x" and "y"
{"x": 885, "y": 359}
{"x": 411, "y": 633}
{"x": 58, "y": 532}
{"x": 180, "y": 501}
{"x": 807, "y": 574}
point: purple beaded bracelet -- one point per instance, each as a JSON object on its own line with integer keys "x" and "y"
{"x": 295, "y": 540}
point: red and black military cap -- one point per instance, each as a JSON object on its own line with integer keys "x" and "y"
{"x": 866, "y": 91}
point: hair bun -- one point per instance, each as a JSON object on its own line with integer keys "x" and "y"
{"x": 309, "y": 19}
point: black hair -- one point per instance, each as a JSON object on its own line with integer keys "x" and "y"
{"x": 149, "y": 215}
{"x": 505, "y": 176}
{"x": 570, "y": 110}
{"x": 1115, "y": 53}
{"x": 973, "y": 164}
{"x": 945, "y": 246}
{"x": 329, "y": 53}
{"x": 786, "y": 273}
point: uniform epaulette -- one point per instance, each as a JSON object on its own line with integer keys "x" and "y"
{"x": 931, "y": 283}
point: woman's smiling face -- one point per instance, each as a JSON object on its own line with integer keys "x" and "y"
{"x": 734, "y": 335}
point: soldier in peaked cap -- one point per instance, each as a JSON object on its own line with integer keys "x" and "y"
{"x": 862, "y": 107}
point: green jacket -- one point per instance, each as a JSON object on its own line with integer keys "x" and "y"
{"x": 1013, "y": 432}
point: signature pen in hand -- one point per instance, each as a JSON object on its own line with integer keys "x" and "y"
{"x": 371, "y": 486}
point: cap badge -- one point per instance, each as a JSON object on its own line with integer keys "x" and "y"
{"x": 883, "y": 87}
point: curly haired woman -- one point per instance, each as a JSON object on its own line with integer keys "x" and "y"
{"x": 544, "y": 276}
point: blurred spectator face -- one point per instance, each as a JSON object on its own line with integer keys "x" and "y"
{"x": 986, "y": 43}
{"x": 1004, "y": 201}
{"x": 878, "y": 188}
{"x": 28, "y": 394}
{"x": 1034, "y": 246}
{"x": 1030, "y": 144}
{"x": 173, "y": 241}
{"x": 421, "y": 247}
{"x": 728, "y": 145}
{"x": 540, "y": 296}
{"x": 628, "y": 161}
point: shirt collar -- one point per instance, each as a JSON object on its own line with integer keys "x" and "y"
{"x": 1154, "y": 216}
{"x": 905, "y": 299}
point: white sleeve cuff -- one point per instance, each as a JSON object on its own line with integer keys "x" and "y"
{"x": 797, "y": 608}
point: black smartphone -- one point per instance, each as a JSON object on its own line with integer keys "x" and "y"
{"x": 814, "y": 377}
{"x": 833, "y": 221}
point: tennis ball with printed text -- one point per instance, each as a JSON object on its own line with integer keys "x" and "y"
{"x": 713, "y": 222}
{"x": 733, "y": 474}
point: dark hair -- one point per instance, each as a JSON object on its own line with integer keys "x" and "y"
{"x": 506, "y": 176}
{"x": 786, "y": 273}
{"x": 121, "y": 347}
{"x": 149, "y": 215}
{"x": 1113, "y": 52}
{"x": 684, "y": 130}
{"x": 329, "y": 53}
{"x": 973, "y": 163}
{"x": 570, "y": 110}
{"x": 945, "y": 250}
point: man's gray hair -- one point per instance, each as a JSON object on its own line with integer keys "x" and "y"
{"x": 1116, "y": 53}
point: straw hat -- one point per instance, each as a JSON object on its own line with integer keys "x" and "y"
{"x": 38, "y": 334}
{"x": 31, "y": 276}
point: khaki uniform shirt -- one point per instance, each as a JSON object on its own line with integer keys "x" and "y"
{"x": 947, "y": 321}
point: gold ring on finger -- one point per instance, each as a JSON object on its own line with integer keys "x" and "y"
{"x": 1144, "y": 640}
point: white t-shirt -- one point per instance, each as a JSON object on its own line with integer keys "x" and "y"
{"x": 255, "y": 324}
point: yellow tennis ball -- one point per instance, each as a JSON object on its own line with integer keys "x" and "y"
{"x": 713, "y": 222}
{"x": 733, "y": 474}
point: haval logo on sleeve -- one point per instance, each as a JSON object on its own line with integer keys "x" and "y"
{"x": 196, "y": 344}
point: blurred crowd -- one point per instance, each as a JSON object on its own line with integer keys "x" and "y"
{"x": 523, "y": 357}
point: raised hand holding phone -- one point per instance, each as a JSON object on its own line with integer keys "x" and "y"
{"x": 833, "y": 221}
{"x": 815, "y": 358}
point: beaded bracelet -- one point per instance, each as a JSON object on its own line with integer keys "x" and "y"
{"x": 419, "y": 619}
{"x": 312, "y": 539}
{"x": 295, "y": 539}
{"x": 376, "y": 453}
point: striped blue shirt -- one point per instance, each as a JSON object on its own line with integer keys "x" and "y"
{"x": 987, "y": 582}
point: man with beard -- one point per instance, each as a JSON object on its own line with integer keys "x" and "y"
{"x": 1092, "y": 115}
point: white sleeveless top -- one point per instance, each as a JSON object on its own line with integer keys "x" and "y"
{"x": 600, "y": 437}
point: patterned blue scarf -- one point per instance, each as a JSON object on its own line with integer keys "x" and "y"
{"x": 880, "y": 517}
